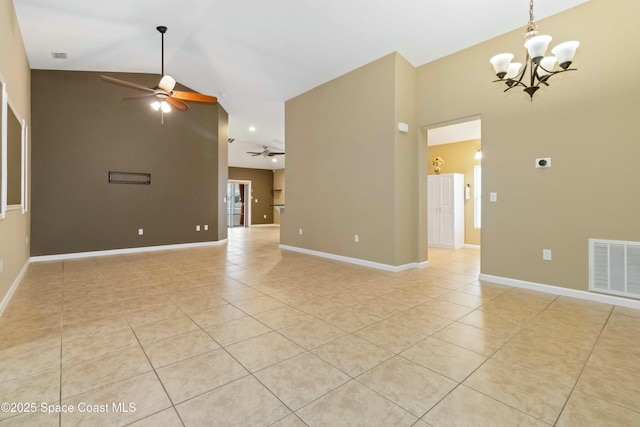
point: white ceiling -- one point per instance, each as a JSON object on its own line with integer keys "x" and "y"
{"x": 255, "y": 54}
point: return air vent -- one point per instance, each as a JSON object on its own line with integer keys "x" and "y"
{"x": 614, "y": 267}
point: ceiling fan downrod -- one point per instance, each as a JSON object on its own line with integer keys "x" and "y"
{"x": 162, "y": 29}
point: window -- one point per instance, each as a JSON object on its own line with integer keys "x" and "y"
{"x": 477, "y": 195}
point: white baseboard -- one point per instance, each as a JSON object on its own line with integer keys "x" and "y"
{"x": 7, "y": 297}
{"x": 471, "y": 246}
{"x": 357, "y": 261}
{"x": 90, "y": 254}
{"x": 265, "y": 225}
{"x": 557, "y": 290}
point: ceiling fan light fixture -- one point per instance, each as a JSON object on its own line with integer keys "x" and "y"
{"x": 161, "y": 105}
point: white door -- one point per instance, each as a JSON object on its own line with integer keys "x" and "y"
{"x": 446, "y": 210}
{"x": 433, "y": 221}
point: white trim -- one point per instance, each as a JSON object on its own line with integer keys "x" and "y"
{"x": 265, "y": 225}
{"x": 61, "y": 257}
{"x": 472, "y": 246}
{"x": 357, "y": 261}
{"x": 557, "y": 290}
{"x": 7, "y": 297}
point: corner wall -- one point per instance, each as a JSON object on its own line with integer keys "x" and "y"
{"x": 14, "y": 69}
{"x": 349, "y": 171}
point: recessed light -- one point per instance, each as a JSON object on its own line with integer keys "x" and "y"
{"x": 274, "y": 160}
{"x": 252, "y": 128}
{"x": 59, "y": 55}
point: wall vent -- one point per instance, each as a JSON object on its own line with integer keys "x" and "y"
{"x": 614, "y": 267}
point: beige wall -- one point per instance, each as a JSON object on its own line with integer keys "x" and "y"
{"x": 14, "y": 69}
{"x": 348, "y": 170}
{"x": 278, "y": 196}
{"x": 459, "y": 158}
{"x": 586, "y": 121}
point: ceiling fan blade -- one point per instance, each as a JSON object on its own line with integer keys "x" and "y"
{"x": 271, "y": 153}
{"x": 253, "y": 153}
{"x": 134, "y": 97}
{"x": 125, "y": 83}
{"x": 194, "y": 96}
{"x": 167, "y": 83}
{"x": 177, "y": 104}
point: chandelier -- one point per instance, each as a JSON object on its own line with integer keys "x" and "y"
{"x": 538, "y": 68}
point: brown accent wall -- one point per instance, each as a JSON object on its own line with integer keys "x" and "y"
{"x": 586, "y": 121}
{"x": 14, "y": 68}
{"x": 459, "y": 158}
{"x": 82, "y": 129}
{"x": 261, "y": 192}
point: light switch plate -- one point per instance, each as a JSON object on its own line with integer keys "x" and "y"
{"x": 493, "y": 197}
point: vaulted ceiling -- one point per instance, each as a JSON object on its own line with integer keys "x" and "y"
{"x": 255, "y": 54}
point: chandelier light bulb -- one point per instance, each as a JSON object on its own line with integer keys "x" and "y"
{"x": 537, "y": 47}
{"x": 501, "y": 63}
{"x": 513, "y": 70}
{"x": 564, "y": 53}
{"x": 155, "y": 105}
{"x": 547, "y": 65}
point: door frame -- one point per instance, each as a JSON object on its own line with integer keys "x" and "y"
{"x": 248, "y": 198}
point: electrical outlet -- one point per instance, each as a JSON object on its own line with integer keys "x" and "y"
{"x": 546, "y": 254}
{"x": 206, "y": 227}
{"x": 197, "y": 228}
{"x": 493, "y": 197}
{"x": 256, "y": 200}
{"x": 140, "y": 231}
{"x": 356, "y": 238}
{"x": 300, "y": 231}
{"x": 265, "y": 217}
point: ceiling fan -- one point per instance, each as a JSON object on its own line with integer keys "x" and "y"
{"x": 265, "y": 152}
{"x": 165, "y": 96}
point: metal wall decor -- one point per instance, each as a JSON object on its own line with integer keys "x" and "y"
{"x": 129, "y": 178}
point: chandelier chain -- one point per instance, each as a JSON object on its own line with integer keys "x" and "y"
{"x": 531, "y": 27}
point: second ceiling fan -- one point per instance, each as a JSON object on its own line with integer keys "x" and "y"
{"x": 266, "y": 152}
{"x": 164, "y": 91}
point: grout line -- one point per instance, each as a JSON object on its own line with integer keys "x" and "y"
{"x": 584, "y": 366}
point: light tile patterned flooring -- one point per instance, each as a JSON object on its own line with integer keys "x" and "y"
{"x": 245, "y": 334}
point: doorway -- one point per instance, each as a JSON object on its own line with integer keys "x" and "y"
{"x": 238, "y": 203}
{"x": 453, "y": 157}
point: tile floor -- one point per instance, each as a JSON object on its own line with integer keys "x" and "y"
{"x": 245, "y": 334}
